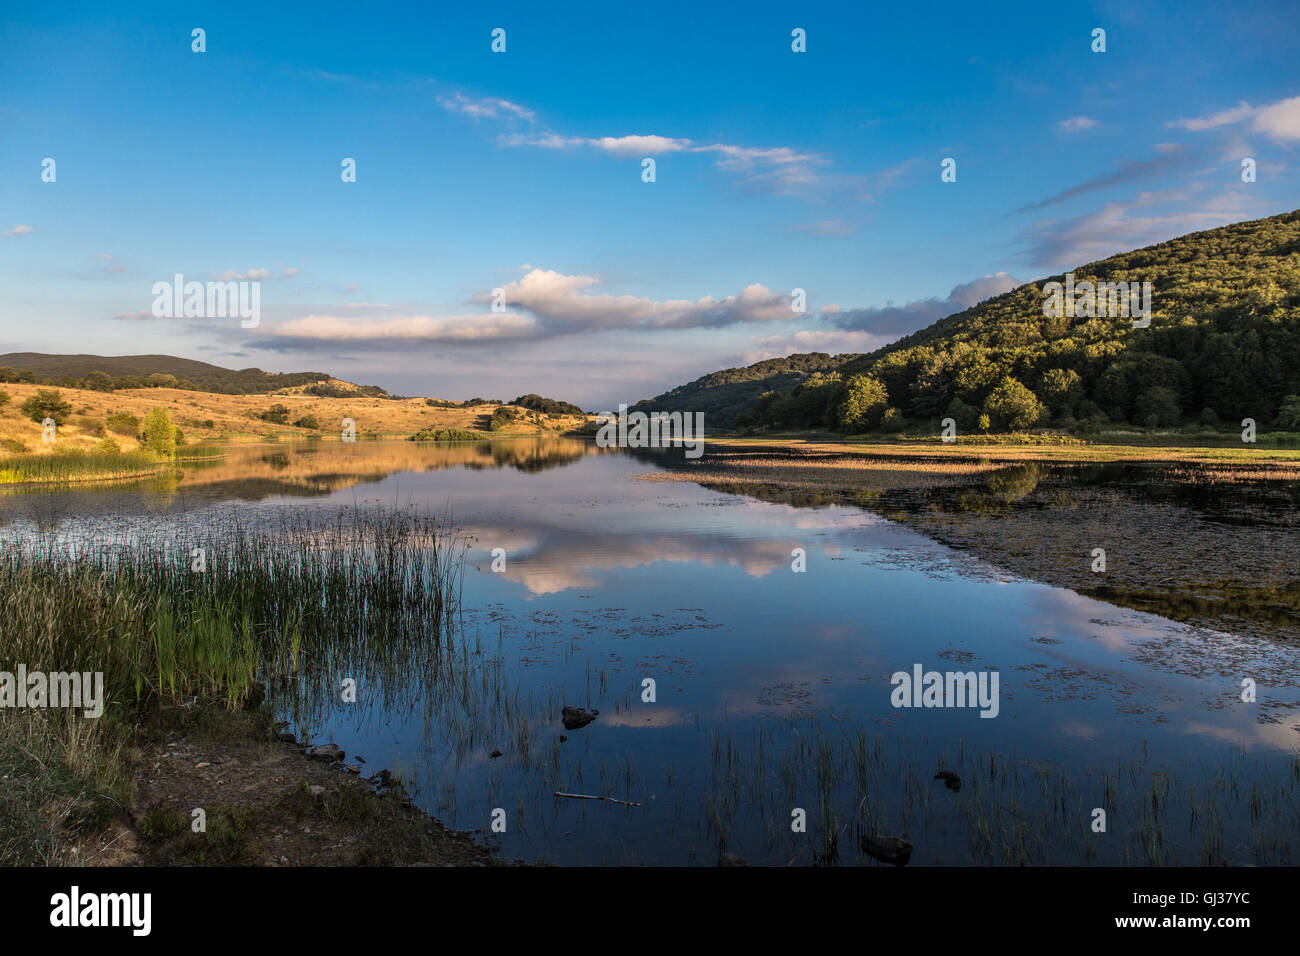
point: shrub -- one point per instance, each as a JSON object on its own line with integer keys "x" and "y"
{"x": 503, "y": 417}
{"x": 92, "y": 426}
{"x": 308, "y": 421}
{"x": 124, "y": 423}
{"x": 447, "y": 434}
{"x": 47, "y": 403}
{"x": 5, "y": 398}
{"x": 108, "y": 444}
{"x": 277, "y": 414}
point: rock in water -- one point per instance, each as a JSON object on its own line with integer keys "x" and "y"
{"x": 950, "y": 780}
{"x": 575, "y": 717}
{"x": 888, "y": 849}
{"x": 731, "y": 859}
{"x": 327, "y": 752}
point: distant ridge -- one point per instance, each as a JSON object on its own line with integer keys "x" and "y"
{"x": 189, "y": 373}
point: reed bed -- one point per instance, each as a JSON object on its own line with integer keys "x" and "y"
{"x": 226, "y": 608}
{"x": 65, "y": 467}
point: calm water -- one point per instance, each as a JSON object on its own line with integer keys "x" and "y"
{"x": 773, "y": 687}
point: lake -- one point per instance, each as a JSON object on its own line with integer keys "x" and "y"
{"x": 773, "y": 704}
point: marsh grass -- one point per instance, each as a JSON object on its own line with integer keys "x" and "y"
{"x": 284, "y": 605}
{"x": 74, "y": 465}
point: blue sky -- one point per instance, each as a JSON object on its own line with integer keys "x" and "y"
{"x": 522, "y": 171}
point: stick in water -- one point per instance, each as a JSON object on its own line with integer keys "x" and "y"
{"x": 583, "y": 796}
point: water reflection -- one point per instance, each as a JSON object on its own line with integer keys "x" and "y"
{"x": 772, "y": 686}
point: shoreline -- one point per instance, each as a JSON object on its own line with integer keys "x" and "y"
{"x": 1036, "y": 516}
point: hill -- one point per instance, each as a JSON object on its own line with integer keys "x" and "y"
{"x": 732, "y": 392}
{"x": 1223, "y": 344}
{"x": 110, "y": 372}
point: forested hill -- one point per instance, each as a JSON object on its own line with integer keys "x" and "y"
{"x": 1223, "y": 344}
{"x": 724, "y": 395}
{"x": 107, "y": 372}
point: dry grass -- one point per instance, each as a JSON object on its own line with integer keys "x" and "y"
{"x": 235, "y": 417}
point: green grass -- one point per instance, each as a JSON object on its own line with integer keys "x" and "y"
{"x": 76, "y": 465}
{"x": 282, "y": 602}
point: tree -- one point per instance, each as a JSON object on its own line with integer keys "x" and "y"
{"x": 277, "y": 414}
{"x": 98, "y": 382}
{"x": 863, "y": 405}
{"x": 158, "y": 435}
{"x": 308, "y": 421}
{"x": 1062, "y": 388}
{"x": 46, "y": 403}
{"x": 965, "y": 416}
{"x": 1158, "y": 407}
{"x": 1288, "y": 416}
{"x": 1011, "y": 406}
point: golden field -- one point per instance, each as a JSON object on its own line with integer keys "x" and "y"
{"x": 207, "y": 416}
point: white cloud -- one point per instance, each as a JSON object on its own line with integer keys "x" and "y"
{"x": 542, "y": 304}
{"x": 636, "y": 146}
{"x": 404, "y": 329}
{"x": 1121, "y": 226}
{"x": 777, "y": 167}
{"x": 1227, "y": 117}
{"x": 19, "y": 230}
{"x": 1280, "y": 120}
{"x": 561, "y": 302}
{"x": 488, "y": 107}
{"x": 252, "y": 274}
{"x": 1076, "y": 124}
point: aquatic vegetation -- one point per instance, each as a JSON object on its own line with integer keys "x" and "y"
{"x": 76, "y": 465}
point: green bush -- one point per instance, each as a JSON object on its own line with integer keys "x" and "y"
{"x": 448, "y": 434}
{"x": 277, "y": 414}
